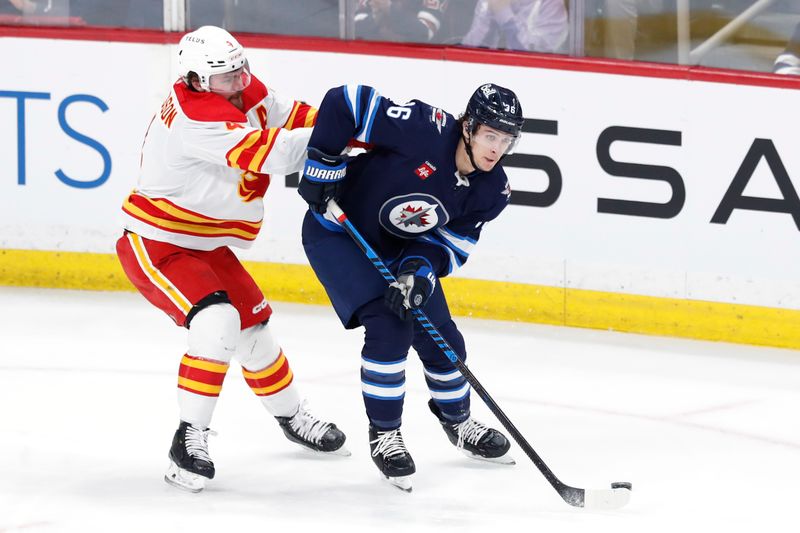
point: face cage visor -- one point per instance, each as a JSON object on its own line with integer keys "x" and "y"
{"x": 493, "y": 139}
{"x": 230, "y": 83}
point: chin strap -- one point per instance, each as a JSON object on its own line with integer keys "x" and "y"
{"x": 468, "y": 148}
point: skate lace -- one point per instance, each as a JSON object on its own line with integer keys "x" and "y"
{"x": 389, "y": 443}
{"x": 470, "y": 431}
{"x": 307, "y": 426}
{"x": 197, "y": 442}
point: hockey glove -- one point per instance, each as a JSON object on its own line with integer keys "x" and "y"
{"x": 322, "y": 179}
{"x": 415, "y": 284}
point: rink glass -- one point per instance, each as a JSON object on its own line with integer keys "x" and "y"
{"x": 735, "y": 34}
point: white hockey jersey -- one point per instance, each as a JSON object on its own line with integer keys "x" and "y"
{"x": 206, "y": 165}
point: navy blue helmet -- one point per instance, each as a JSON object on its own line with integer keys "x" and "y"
{"x": 496, "y": 107}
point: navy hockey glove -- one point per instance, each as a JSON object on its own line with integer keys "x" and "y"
{"x": 322, "y": 179}
{"x": 415, "y": 284}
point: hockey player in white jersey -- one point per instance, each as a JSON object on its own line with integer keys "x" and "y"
{"x": 205, "y": 167}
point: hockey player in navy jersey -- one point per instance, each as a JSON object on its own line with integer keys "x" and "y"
{"x": 420, "y": 196}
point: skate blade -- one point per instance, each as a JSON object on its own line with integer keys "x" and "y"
{"x": 183, "y": 479}
{"x": 401, "y": 482}
{"x": 502, "y": 460}
{"x": 341, "y": 452}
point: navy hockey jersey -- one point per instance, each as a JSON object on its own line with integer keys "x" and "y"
{"x": 405, "y": 194}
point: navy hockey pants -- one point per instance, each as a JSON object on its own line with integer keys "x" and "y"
{"x": 356, "y": 291}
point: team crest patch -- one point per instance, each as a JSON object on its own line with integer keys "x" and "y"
{"x": 425, "y": 170}
{"x": 253, "y": 185}
{"x": 409, "y": 215}
{"x": 439, "y": 118}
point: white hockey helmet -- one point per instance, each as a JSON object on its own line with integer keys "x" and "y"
{"x": 210, "y": 50}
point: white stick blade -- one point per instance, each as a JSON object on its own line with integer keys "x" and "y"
{"x": 605, "y": 500}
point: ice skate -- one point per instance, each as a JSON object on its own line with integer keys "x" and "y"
{"x": 474, "y": 439}
{"x": 390, "y": 455}
{"x": 190, "y": 465}
{"x": 312, "y": 433}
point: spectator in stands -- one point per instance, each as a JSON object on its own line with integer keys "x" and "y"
{"x": 319, "y": 18}
{"x": 25, "y": 7}
{"x": 788, "y": 62}
{"x": 622, "y": 25}
{"x": 531, "y": 25}
{"x": 17, "y": 6}
{"x": 119, "y": 13}
{"x": 415, "y": 21}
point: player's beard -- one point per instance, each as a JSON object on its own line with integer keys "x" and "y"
{"x": 236, "y": 99}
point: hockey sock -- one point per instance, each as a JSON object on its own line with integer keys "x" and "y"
{"x": 448, "y": 388}
{"x": 383, "y": 364}
{"x": 450, "y": 391}
{"x": 273, "y": 385}
{"x": 199, "y": 384}
{"x": 383, "y": 385}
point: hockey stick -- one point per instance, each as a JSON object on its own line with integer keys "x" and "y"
{"x": 602, "y": 499}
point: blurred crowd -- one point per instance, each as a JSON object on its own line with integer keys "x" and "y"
{"x": 617, "y": 29}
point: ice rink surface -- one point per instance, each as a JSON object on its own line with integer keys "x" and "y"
{"x": 708, "y": 433}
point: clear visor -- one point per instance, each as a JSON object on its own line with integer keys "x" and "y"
{"x": 230, "y": 82}
{"x": 495, "y": 140}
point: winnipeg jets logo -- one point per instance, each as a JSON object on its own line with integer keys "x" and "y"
{"x": 414, "y": 216}
{"x": 409, "y": 215}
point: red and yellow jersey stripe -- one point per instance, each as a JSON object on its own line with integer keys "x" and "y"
{"x": 252, "y": 150}
{"x": 165, "y": 215}
{"x": 302, "y": 116}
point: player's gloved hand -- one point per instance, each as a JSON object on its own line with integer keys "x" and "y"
{"x": 415, "y": 284}
{"x": 322, "y": 179}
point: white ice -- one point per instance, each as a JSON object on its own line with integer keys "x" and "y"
{"x": 708, "y": 433}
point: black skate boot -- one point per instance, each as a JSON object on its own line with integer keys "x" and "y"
{"x": 190, "y": 465}
{"x": 475, "y": 439}
{"x": 309, "y": 431}
{"x": 391, "y": 457}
